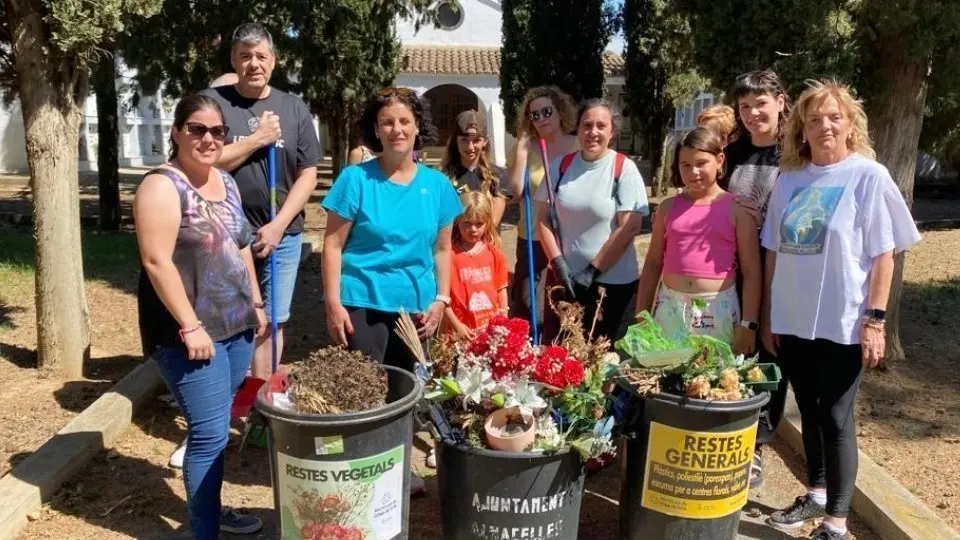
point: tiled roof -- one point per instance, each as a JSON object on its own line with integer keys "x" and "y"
{"x": 464, "y": 60}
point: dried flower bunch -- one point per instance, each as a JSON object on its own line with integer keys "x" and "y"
{"x": 334, "y": 380}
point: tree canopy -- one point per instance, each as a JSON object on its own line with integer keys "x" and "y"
{"x": 558, "y": 42}
{"x": 894, "y": 53}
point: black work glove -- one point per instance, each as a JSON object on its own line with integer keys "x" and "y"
{"x": 562, "y": 273}
{"x": 587, "y": 276}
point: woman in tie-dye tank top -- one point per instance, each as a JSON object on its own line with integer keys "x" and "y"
{"x": 198, "y": 299}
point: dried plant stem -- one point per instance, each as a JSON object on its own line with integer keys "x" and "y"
{"x": 407, "y": 330}
{"x": 599, "y": 313}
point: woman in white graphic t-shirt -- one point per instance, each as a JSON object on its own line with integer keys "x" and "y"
{"x": 834, "y": 223}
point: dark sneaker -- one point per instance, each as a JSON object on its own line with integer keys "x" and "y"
{"x": 823, "y": 533}
{"x": 793, "y": 517}
{"x": 235, "y": 522}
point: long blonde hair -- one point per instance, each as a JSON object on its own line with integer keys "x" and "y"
{"x": 479, "y": 206}
{"x": 796, "y": 150}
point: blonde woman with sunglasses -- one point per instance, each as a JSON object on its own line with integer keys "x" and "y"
{"x": 546, "y": 113}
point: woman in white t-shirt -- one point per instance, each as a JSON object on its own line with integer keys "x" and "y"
{"x": 600, "y": 201}
{"x": 834, "y": 223}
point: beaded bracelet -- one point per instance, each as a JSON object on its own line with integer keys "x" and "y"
{"x": 876, "y": 324}
{"x": 184, "y": 331}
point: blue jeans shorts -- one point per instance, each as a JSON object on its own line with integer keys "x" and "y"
{"x": 288, "y": 262}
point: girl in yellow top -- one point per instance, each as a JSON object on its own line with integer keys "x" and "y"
{"x": 546, "y": 113}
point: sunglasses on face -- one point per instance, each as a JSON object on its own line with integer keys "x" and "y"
{"x": 545, "y": 112}
{"x": 219, "y": 133}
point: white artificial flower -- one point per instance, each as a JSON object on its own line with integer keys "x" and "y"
{"x": 547, "y": 429}
{"x": 611, "y": 358}
{"x": 473, "y": 382}
{"x": 525, "y": 396}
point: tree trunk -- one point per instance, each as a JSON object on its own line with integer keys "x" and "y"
{"x": 662, "y": 159}
{"x": 339, "y": 142}
{"x": 49, "y": 91}
{"x": 896, "y": 117}
{"x": 108, "y": 159}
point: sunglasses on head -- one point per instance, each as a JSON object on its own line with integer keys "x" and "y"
{"x": 199, "y": 130}
{"x": 545, "y": 112}
{"x": 391, "y": 92}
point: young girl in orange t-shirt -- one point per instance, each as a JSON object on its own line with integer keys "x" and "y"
{"x": 478, "y": 280}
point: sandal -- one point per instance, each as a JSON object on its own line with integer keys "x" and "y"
{"x": 756, "y": 471}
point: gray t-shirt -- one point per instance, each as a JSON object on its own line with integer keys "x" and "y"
{"x": 297, "y": 149}
{"x": 587, "y": 205}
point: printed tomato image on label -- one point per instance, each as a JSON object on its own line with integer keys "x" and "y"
{"x": 697, "y": 475}
{"x": 347, "y": 500}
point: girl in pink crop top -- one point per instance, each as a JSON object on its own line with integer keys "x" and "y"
{"x": 700, "y": 236}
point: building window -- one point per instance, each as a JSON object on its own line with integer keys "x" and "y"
{"x": 450, "y": 15}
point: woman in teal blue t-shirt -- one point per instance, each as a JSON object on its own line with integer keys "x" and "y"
{"x": 387, "y": 245}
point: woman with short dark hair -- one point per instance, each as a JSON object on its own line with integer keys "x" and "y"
{"x": 198, "y": 300}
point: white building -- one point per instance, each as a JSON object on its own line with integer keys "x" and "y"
{"x": 457, "y": 66}
{"x": 144, "y": 124}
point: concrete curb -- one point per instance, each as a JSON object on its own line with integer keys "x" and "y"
{"x": 883, "y": 503}
{"x": 37, "y": 478}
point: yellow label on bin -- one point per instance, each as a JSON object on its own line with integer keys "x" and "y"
{"x": 697, "y": 475}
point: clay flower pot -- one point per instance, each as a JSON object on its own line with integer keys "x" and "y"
{"x": 508, "y": 431}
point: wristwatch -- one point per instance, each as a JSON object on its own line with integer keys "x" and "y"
{"x": 445, "y": 300}
{"x": 876, "y": 314}
{"x": 750, "y": 325}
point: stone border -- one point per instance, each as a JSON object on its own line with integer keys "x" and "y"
{"x": 883, "y": 503}
{"x": 37, "y": 478}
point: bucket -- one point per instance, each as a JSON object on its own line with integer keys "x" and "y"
{"x": 491, "y": 495}
{"x": 686, "y": 467}
{"x": 343, "y": 475}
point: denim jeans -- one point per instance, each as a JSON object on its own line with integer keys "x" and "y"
{"x": 204, "y": 390}
{"x": 288, "y": 263}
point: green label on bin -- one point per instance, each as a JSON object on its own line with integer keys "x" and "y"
{"x": 360, "y": 499}
{"x": 328, "y": 446}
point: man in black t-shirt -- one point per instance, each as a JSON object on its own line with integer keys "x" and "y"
{"x": 258, "y": 116}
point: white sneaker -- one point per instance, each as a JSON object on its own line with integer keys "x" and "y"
{"x": 176, "y": 459}
{"x": 432, "y": 458}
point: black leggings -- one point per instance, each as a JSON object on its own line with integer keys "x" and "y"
{"x": 373, "y": 335}
{"x": 616, "y": 301}
{"x": 826, "y": 377}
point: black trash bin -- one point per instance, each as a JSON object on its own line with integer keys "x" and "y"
{"x": 686, "y": 467}
{"x": 491, "y": 495}
{"x": 343, "y": 475}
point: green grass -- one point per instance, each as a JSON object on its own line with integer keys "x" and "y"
{"x": 108, "y": 257}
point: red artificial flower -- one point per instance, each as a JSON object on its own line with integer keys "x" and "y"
{"x": 556, "y": 368}
{"x": 573, "y": 372}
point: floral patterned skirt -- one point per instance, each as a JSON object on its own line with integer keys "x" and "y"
{"x": 712, "y": 314}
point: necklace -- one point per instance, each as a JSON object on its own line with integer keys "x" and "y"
{"x": 474, "y": 251}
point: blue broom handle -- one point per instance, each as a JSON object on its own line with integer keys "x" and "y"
{"x": 272, "y": 176}
{"x": 535, "y": 334}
